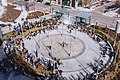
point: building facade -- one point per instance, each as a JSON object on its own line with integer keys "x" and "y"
{"x": 75, "y": 3}
{"x": 71, "y": 3}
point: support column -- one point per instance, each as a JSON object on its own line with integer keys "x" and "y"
{"x": 4, "y": 2}
{"x": 70, "y": 3}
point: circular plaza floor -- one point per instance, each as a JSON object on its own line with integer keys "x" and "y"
{"x": 76, "y": 54}
{"x": 60, "y": 46}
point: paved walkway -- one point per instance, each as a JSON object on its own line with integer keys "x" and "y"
{"x": 23, "y": 15}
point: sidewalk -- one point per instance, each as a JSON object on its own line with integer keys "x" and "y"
{"x": 22, "y": 15}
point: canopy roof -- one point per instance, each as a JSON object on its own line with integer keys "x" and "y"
{"x": 67, "y": 20}
{"x": 61, "y": 11}
{"x": 84, "y": 15}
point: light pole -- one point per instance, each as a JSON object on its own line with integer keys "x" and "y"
{"x": 39, "y": 36}
{"x": 116, "y": 33}
{"x": 1, "y": 34}
{"x": 21, "y": 26}
{"x": 62, "y": 29}
{"x": 108, "y": 33}
{"x": 98, "y": 64}
{"x": 48, "y": 32}
{"x": 75, "y": 32}
{"x": 51, "y": 46}
{"x": 95, "y": 26}
{"x": 50, "y": 6}
{"x": 70, "y": 46}
{"x": 70, "y": 3}
{"x": 76, "y": 28}
{"x": 118, "y": 48}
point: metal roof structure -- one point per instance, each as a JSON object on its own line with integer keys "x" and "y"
{"x": 61, "y": 11}
{"x": 65, "y": 19}
{"x": 84, "y": 15}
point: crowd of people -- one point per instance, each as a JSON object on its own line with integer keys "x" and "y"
{"x": 105, "y": 47}
{"x": 13, "y": 44}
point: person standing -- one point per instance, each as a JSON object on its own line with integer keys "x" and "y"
{"x": 36, "y": 53}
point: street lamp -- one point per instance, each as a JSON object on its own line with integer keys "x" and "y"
{"x": 70, "y": 46}
{"x": 116, "y": 33}
{"x": 51, "y": 46}
{"x": 1, "y": 34}
{"x": 76, "y": 28}
{"x": 34, "y": 5}
{"x": 98, "y": 64}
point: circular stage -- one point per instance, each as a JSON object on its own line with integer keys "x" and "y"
{"x": 60, "y": 46}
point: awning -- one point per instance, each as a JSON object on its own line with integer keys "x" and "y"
{"x": 84, "y": 15}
